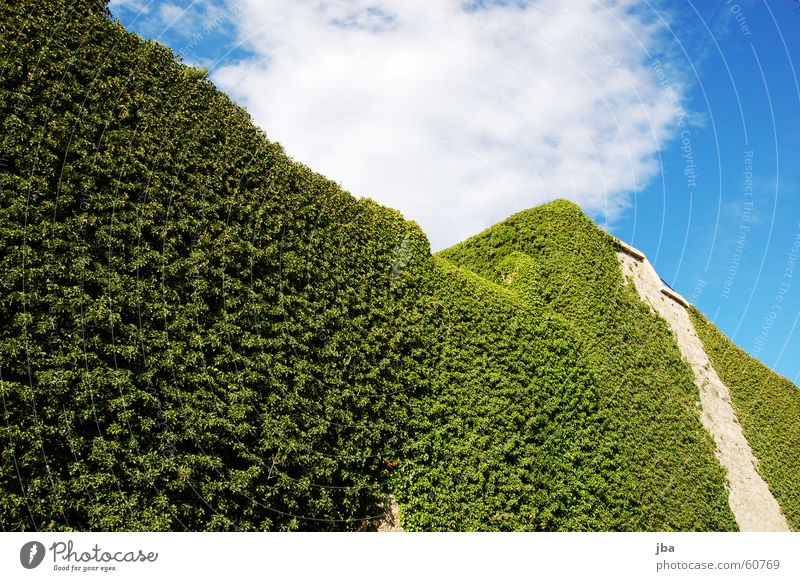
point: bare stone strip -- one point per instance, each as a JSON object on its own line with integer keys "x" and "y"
{"x": 749, "y": 496}
{"x": 391, "y": 521}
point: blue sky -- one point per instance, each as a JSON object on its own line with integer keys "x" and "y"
{"x": 725, "y": 243}
{"x": 674, "y": 124}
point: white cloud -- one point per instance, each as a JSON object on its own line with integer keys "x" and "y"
{"x": 138, "y": 6}
{"x": 459, "y": 117}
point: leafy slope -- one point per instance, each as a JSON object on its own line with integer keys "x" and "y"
{"x": 510, "y": 436}
{"x": 665, "y": 474}
{"x": 195, "y": 331}
{"x": 198, "y": 333}
{"x": 768, "y": 407}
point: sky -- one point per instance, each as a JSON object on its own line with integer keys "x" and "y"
{"x": 674, "y": 124}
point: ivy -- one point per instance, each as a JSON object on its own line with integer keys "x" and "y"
{"x": 198, "y": 333}
{"x": 627, "y": 450}
{"x": 195, "y": 331}
{"x": 767, "y": 406}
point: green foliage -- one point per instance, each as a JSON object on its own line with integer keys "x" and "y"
{"x": 641, "y": 406}
{"x": 768, "y": 407}
{"x": 510, "y": 435}
{"x": 195, "y": 331}
{"x": 198, "y": 333}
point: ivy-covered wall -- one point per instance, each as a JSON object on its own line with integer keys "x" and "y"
{"x": 510, "y": 435}
{"x": 768, "y": 408}
{"x": 659, "y": 470}
{"x": 195, "y": 331}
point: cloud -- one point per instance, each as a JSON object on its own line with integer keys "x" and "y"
{"x": 138, "y": 6}
{"x": 462, "y": 114}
